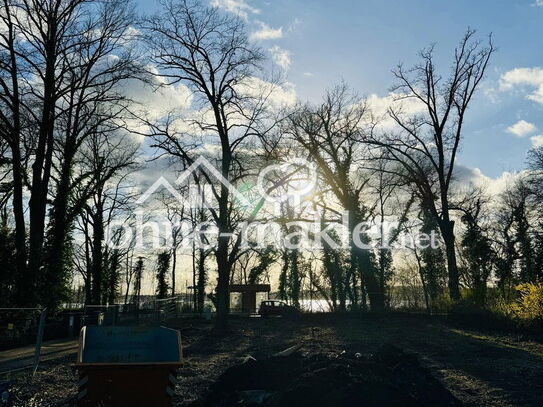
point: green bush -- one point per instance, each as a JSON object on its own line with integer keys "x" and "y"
{"x": 524, "y": 310}
{"x": 528, "y": 306}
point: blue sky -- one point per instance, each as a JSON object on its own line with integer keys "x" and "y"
{"x": 320, "y": 43}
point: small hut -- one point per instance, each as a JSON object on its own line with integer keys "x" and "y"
{"x": 248, "y": 295}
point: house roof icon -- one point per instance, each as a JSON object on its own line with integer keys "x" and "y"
{"x": 199, "y": 162}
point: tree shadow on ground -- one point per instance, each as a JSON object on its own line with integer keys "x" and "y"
{"x": 478, "y": 368}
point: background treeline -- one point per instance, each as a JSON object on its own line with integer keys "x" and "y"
{"x": 70, "y": 143}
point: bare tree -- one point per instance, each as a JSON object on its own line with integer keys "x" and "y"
{"x": 176, "y": 214}
{"x": 209, "y": 52}
{"x": 332, "y": 134}
{"x": 11, "y": 118}
{"x": 108, "y": 160}
{"x": 476, "y": 249}
{"x": 92, "y": 106}
{"x": 393, "y": 202}
{"x": 58, "y": 83}
{"x": 426, "y": 146}
{"x": 44, "y": 32}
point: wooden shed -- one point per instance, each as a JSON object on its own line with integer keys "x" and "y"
{"x": 248, "y": 294}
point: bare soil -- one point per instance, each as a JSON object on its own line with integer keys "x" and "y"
{"x": 479, "y": 368}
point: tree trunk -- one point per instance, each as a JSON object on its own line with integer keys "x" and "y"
{"x": 447, "y": 230}
{"x": 88, "y": 288}
{"x": 174, "y": 265}
{"x": 341, "y": 293}
{"x": 41, "y": 168}
{"x": 55, "y": 267}
{"x": 294, "y": 277}
{"x": 223, "y": 263}
{"x": 373, "y": 289}
{"x": 97, "y": 261}
{"x": 194, "y": 292}
{"x": 20, "y": 228}
{"x": 18, "y": 207}
{"x": 423, "y": 282}
{"x": 113, "y": 277}
{"x": 362, "y": 259}
{"x": 223, "y": 295}
{"x": 201, "y": 281}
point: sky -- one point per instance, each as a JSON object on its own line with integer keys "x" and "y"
{"x": 318, "y": 43}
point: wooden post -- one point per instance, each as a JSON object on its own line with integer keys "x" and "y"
{"x": 39, "y": 338}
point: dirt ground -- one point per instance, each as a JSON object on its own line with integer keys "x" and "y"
{"x": 479, "y": 368}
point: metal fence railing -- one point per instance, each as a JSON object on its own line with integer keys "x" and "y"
{"x": 23, "y": 326}
{"x": 22, "y": 330}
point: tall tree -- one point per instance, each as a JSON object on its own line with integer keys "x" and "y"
{"x": 92, "y": 106}
{"x": 431, "y": 261}
{"x": 517, "y": 225}
{"x": 392, "y": 203}
{"x": 332, "y": 134}
{"x": 162, "y": 268}
{"x": 475, "y": 243}
{"x": 209, "y": 52}
{"x": 426, "y": 144}
{"x": 11, "y": 125}
{"x": 334, "y": 264}
{"x": 47, "y": 31}
{"x": 109, "y": 159}
{"x": 58, "y": 83}
{"x": 138, "y": 277}
{"x": 535, "y": 164}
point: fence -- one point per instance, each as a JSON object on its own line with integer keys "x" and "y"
{"x": 23, "y": 326}
{"x": 152, "y": 311}
{"x": 20, "y": 327}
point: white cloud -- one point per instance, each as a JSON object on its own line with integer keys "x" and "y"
{"x": 266, "y": 32}
{"x": 281, "y": 57}
{"x": 295, "y": 25}
{"x": 309, "y": 74}
{"x": 521, "y": 128}
{"x": 155, "y": 101}
{"x": 527, "y": 77}
{"x": 379, "y": 106}
{"x": 538, "y": 3}
{"x": 466, "y": 176}
{"x": 238, "y": 7}
{"x": 537, "y": 141}
{"x": 277, "y": 95}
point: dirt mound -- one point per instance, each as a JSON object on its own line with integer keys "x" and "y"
{"x": 390, "y": 377}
